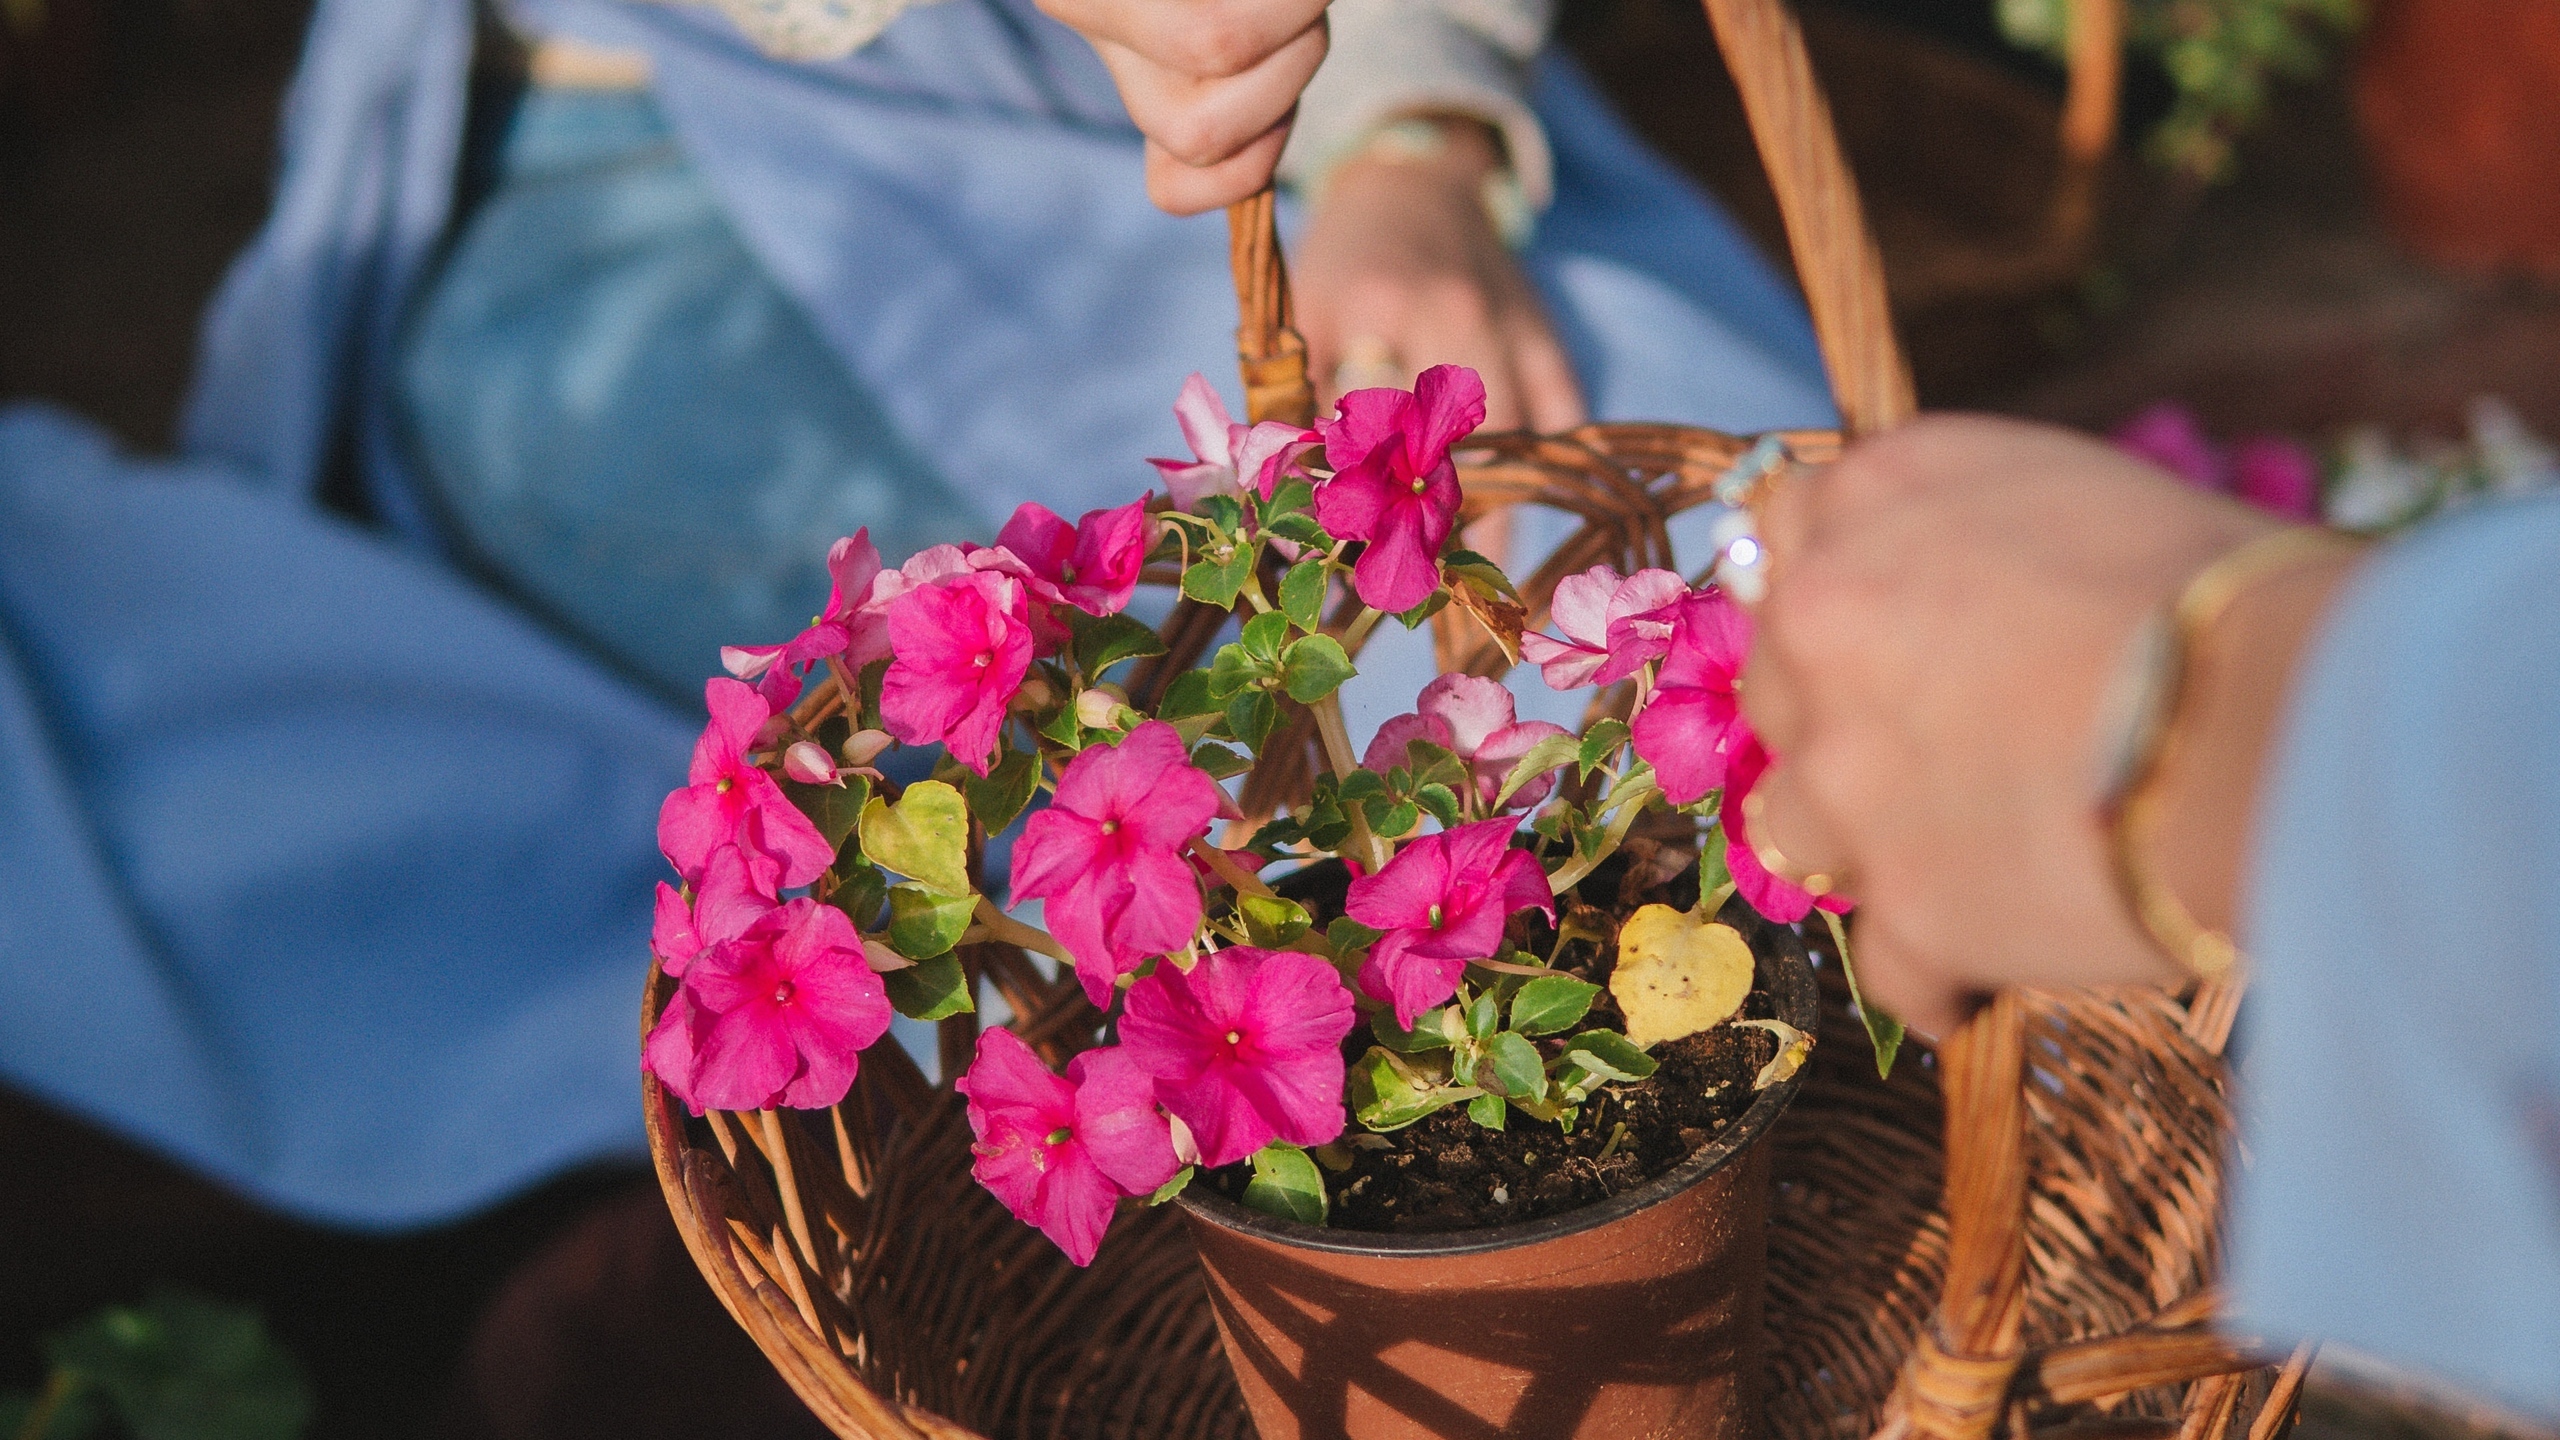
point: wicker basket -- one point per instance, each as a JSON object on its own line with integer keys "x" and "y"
{"x": 2045, "y": 1271}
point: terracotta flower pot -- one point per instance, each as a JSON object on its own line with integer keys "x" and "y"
{"x": 1634, "y": 1318}
{"x": 2459, "y": 103}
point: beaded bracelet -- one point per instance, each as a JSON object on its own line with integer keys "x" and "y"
{"x": 2163, "y": 662}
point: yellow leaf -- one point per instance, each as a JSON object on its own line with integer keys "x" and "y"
{"x": 1678, "y": 973}
{"x": 1794, "y": 1048}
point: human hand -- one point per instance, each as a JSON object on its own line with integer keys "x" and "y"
{"x": 1211, "y": 83}
{"x": 1948, "y": 607}
{"x": 1401, "y": 268}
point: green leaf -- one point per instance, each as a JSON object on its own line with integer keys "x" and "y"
{"x": 834, "y": 809}
{"x": 1063, "y": 729}
{"x": 1513, "y": 1066}
{"x": 1235, "y": 670}
{"x": 1713, "y": 874}
{"x": 1469, "y": 565}
{"x": 1426, "y": 1035}
{"x": 860, "y": 892}
{"x": 1544, "y": 756}
{"x": 1441, "y": 801}
{"x": 1218, "y": 761}
{"x": 923, "y": 924}
{"x": 1313, "y": 668}
{"x": 1008, "y": 787}
{"x": 1105, "y": 642}
{"x": 1482, "y": 1016}
{"x": 1432, "y": 763}
{"x": 1189, "y": 695}
{"x": 1488, "y": 1111}
{"x": 1219, "y": 582}
{"x": 1302, "y": 593}
{"x": 1272, "y": 922}
{"x": 925, "y": 836}
{"x": 1608, "y": 1054}
{"x": 1347, "y": 936}
{"x": 1288, "y": 497}
{"x": 1224, "y": 511}
{"x": 1414, "y": 617}
{"x": 1286, "y": 1183}
{"x": 1300, "y": 527}
{"x": 183, "y": 1367}
{"x": 1326, "y": 824}
{"x": 930, "y": 989}
{"x": 1883, "y": 1031}
{"x": 1387, "y": 1096}
{"x": 1601, "y": 741}
{"x": 1392, "y": 821}
{"x": 1551, "y": 1003}
{"x": 1263, "y": 635}
{"x": 1181, "y": 1181}
{"x": 1253, "y": 715}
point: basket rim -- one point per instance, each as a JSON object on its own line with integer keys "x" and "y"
{"x": 1789, "y": 973}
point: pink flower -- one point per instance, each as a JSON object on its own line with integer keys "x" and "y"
{"x": 1694, "y": 709}
{"x": 851, "y": 627}
{"x": 1393, "y": 485}
{"x": 1246, "y": 1049}
{"x": 1107, "y": 855}
{"x": 1442, "y": 902}
{"x": 1474, "y": 719}
{"x": 1061, "y": 1153}
{"x": 2168, "y": 436}
{"x": 738, "y": 889}
{"x": 778, "y": 1015}
{"x": 2278, "y": 475}
{"x": 1612, "y": 626}
{"x": 1779, "y": 899}
{"x": 729, "y": 801}
{"x": 1228, "y": 458}
{"x": 1094, "y": 563}
{"x": 960, "y": 647}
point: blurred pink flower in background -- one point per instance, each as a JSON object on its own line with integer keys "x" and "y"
{"x": 1474, "y": 719}
{"x": 1598, "y": 611}
{"x": 1778, "y": 898}
{"x": 1227, "y": 458}
{"x": 2269, "y": 471}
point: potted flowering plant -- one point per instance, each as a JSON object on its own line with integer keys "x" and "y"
{"x": 1512, "y": 1007}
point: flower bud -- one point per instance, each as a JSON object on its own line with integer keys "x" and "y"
{"x": 864, "y": 746}
{"x": 1185, "y": 1148}
{"x": 807, "y": 762}
{"x": 1099, "y": 708}
{"x": 771, "y": 732}
{"x": 1035, "y": 694}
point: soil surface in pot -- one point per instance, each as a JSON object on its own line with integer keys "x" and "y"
{"x": 1445, "y": 1172}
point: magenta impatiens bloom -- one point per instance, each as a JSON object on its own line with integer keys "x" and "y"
{"x": 1441, "y": 903}
{"x": 1061, "y": 1152}
{"x": 1612, "y": 626}
{"x": 2276, "y": 475}
{"x": 728, "y": 801}
{"x": 1228, "y": 458}
{"x": 852, "y": 626}
{"x": 2168, "y": 435}
{"x": 960, "y": 648}
{"x": 739, "y": 886}
{"x": 1393, "y": 485}
{"x": 1475, "y": 719}
{"x": 1688, "y": 724}
{"x": 1780, "y": 899}
{"x": 1094, "y": 563}
{"x": 1245, "y": 1049}
{"x": 1107, "y": 855}
{"x": 779, "y": 1015}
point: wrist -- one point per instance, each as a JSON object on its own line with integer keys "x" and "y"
{"x": 2238, "y": 673}
{"x": 1458, "y": 154}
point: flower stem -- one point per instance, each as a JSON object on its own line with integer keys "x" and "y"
{"x": 1576, "y": 869}
{"x": 1245, "y": 881}
{"x": 1357, "y": 634}
{"x": 1000, "y": 926}
{"x": 1337, "y": 754}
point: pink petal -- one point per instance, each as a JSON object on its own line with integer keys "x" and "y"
{"x": 739, "y": 888}
{"x": 1006, "y": 1076}
{"x": 2168, "y": 436}
{"x": 1502, "y": 750}
{"x": 1056, "y": 848}
{"x": 1117, "y": 1121}
{"x": 1450, "y": 402}
{"x": 1268, "y": 450}
{"x": 1363, "y": 422}
{"x": 1393, "y": 975}
{"x": 671, "y": 1052}
{"x": 776, "y": 826}
{"x": 1388, "y": 749}
{"x": 1189, "y": 483}
{"x": 1110, "y": 551}
{"x": 1076, "y": 1201}
{"x": 1473, "y": 707}
{"x": 2278, "y": 475}
{"x": 1580, "y": 606}
{"x": 692, "y": 823}
{"x": 1710, "y": 641}
{"x": 1683, "y": 735}
{"x": 1354, "y": 503}
{"x": 1204, "y": 420}
{"x": 748, "y": 661}
{"x": 671, "y": 933}
{"x": 1778, "y": 899}
{"x": 1403, "y": 891}
{"x": 1039, "y": 538}
{"x": 1401, "y": 567}
{"x": 746, "y": 1060}
{"x": 853, "y": 567}
{"x": 1563, "y": 666}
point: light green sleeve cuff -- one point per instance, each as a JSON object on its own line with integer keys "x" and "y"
{"x": 1393, "y": 58}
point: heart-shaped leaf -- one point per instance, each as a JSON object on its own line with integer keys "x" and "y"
{"x": 1678, "y": 973}
{"x": 925, "y": 836}
{"x": 1286, "y": 1183}
{"x": 930, "y": 989}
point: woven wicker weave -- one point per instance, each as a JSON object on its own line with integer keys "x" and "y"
{"x": 2043, "y": 1270}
